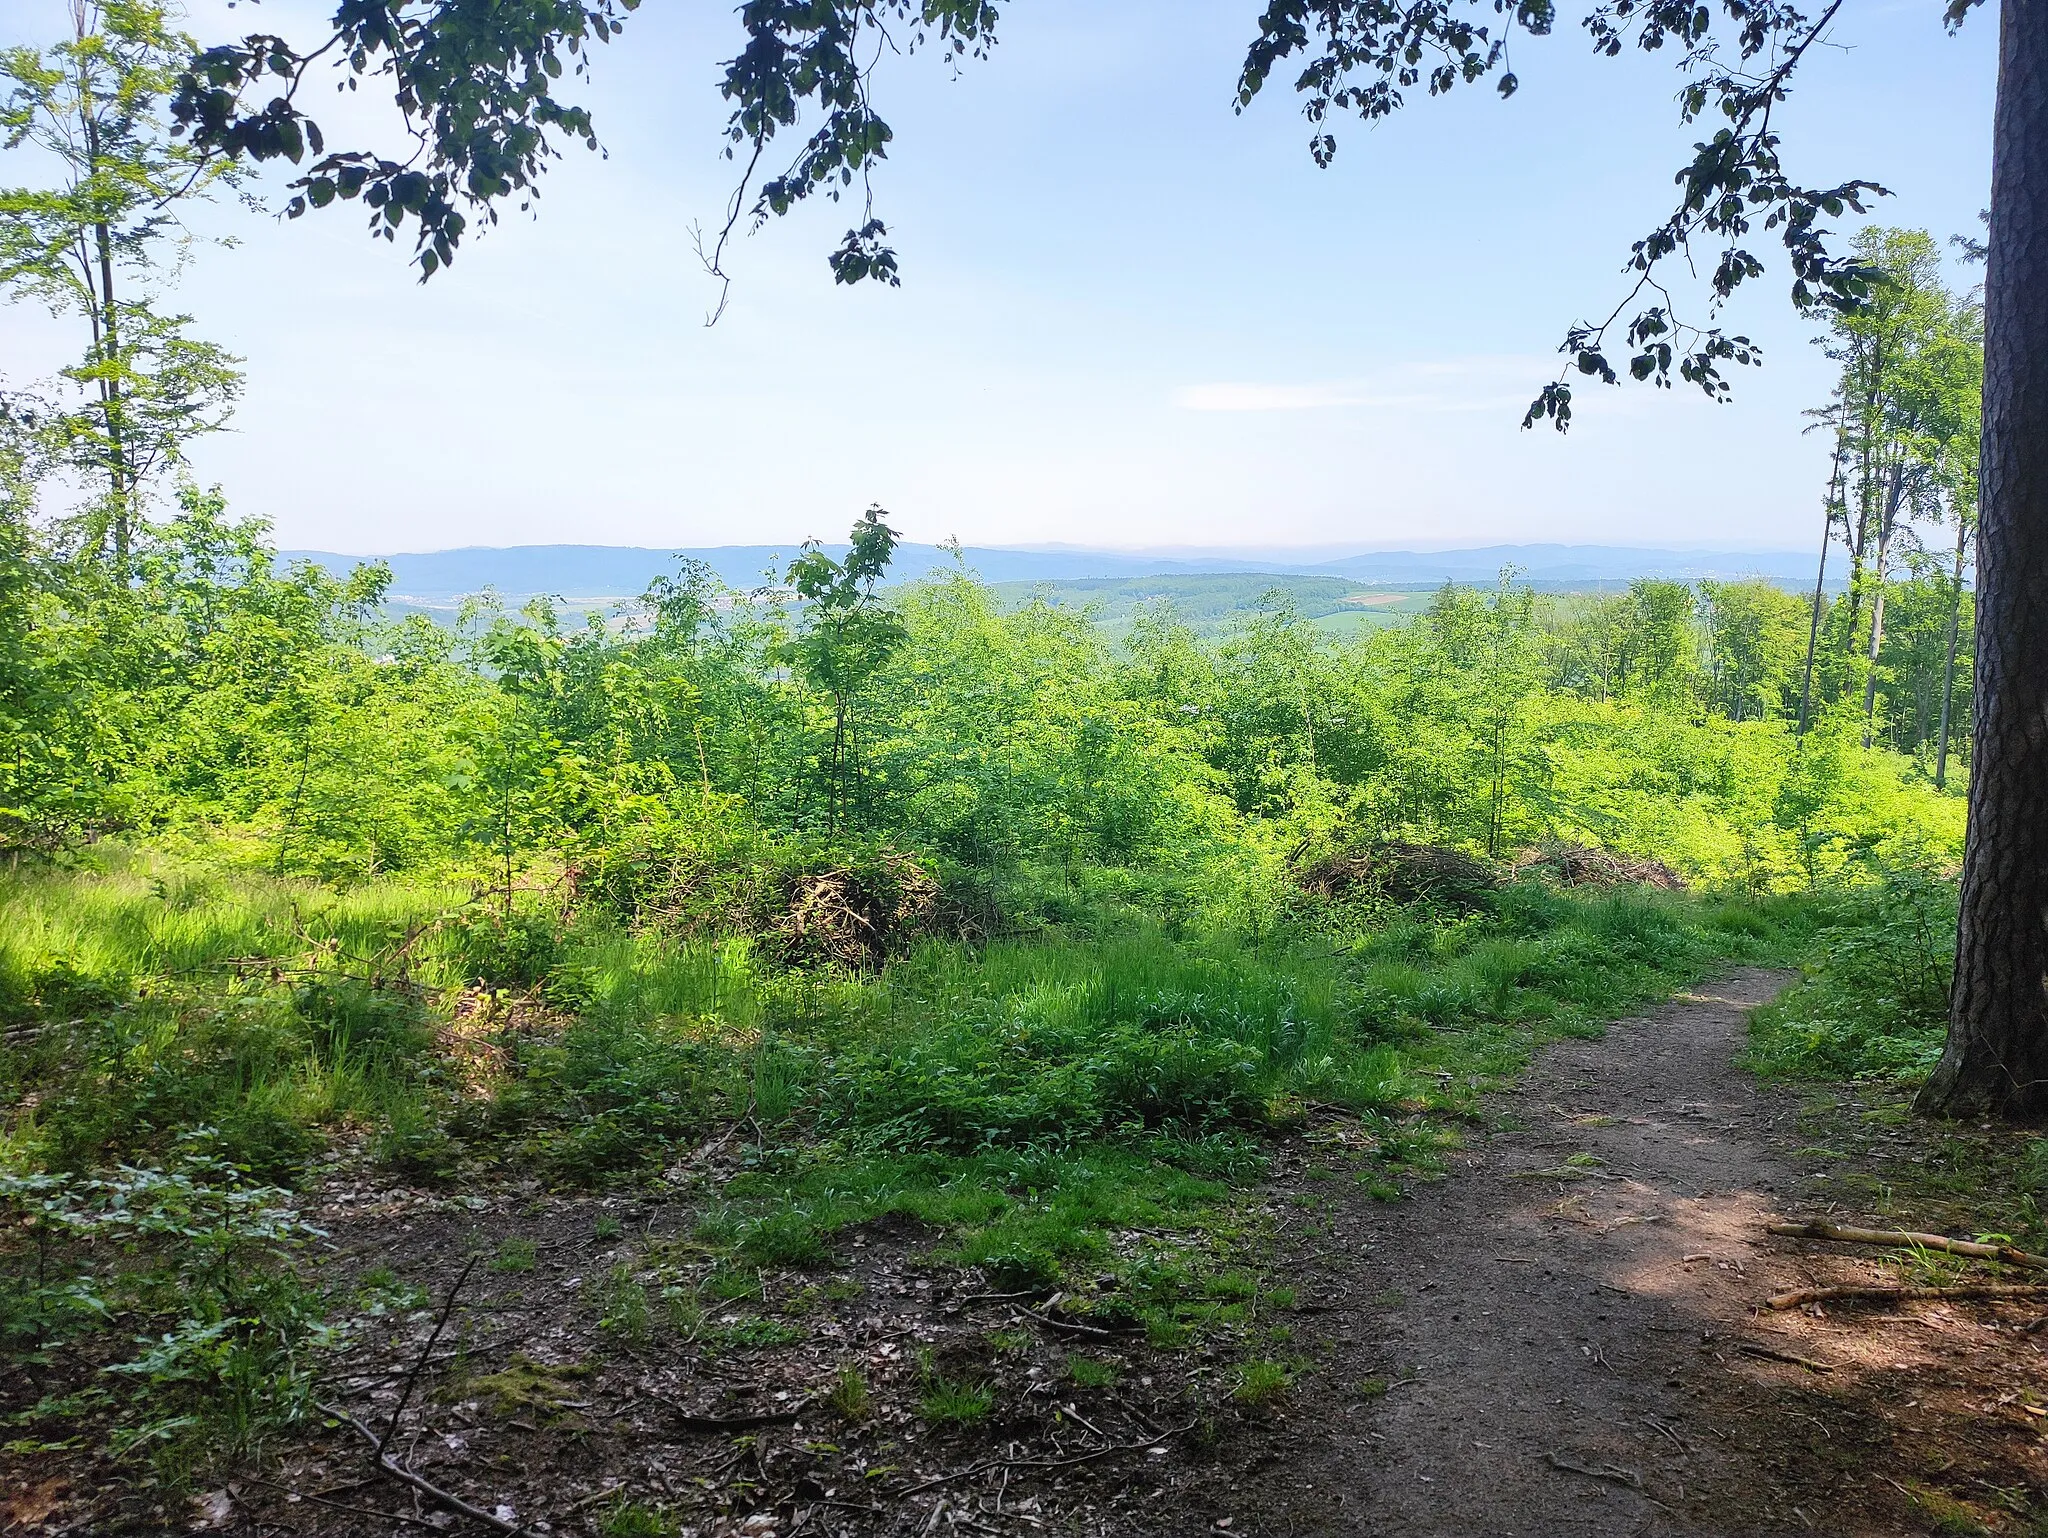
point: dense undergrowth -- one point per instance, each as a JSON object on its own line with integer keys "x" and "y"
{"x": 1874, "y": 1000}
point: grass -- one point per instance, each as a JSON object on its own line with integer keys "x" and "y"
{"x": 1261, "y": 1382}
{"x": 1873, "y": 1000}
{"x": 848, "y": 1394}
{"x": 1092, "y": 1372}
{"x": 1075, "y": 1111}
{"x": 945, "y": 1401}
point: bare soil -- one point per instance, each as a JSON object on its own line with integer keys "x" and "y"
{"x": 1564, "y": 1334}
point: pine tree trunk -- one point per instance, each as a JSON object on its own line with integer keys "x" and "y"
{"x": 1996, "y": 1058}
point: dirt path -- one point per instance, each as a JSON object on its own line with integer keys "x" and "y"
{"x": 1558, "y": 1321}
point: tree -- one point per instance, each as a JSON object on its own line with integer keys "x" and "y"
{"x": 1907, "y": 406}
{"x": 94, "y": 243}
{"x": 475, "y": 84}
{"x": 1752, "y": 645}
{"x": 848, "y": 634}
{"x": 1996, "y": 1057}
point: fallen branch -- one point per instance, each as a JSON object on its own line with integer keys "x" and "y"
{"x": 419, "y": 1363}
{"x": 692, "y": 1421}
{"x": 1805, "y": 1295}
{"x": 398, "y": 1517}
{"x": 1772, "y": 1354}
{"x": 1063, "y": 1324}
{"x": 1901, "y": 1239}
{"x": 1613, "y": 1476}
{"x": 1012, "y": 1464}
{"x": 387, "y": 1464}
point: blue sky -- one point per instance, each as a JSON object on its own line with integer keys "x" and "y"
{"x": 1129, "y": 317}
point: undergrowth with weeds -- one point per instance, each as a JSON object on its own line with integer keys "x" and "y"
{"x": 1873, "y": 1000}
{"x": 1073, "y": 1114}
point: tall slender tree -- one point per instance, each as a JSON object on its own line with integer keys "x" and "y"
{"x": 98, "y": 240}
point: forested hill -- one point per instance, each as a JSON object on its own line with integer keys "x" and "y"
{"x": 610, "y": 571}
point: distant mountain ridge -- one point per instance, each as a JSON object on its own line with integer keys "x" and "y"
{"x": 574, "y": 572}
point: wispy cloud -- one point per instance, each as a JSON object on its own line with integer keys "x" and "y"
{"x": 1264, "y": 397}
{"x": 1465, "y": 384}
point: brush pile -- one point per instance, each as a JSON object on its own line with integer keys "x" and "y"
{"x": 855, "y": 917}
{"x": 1402, "y": 873}
{"x": 1581, "y": 865}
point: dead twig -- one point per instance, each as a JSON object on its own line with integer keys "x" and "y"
{"x": 1062, "y": 1324}
{"x": 1772, "y": 1354}
{"x": 1805, "y": 1295}
{"x": 1667, "y": 1433}
{"x": 1905, "y": 1240}
{"x": 386, "y": 1464}
{"x": 419, "y": 1363}
{"x": 1011, "y": 1465}
{"x": 359, "y": 1511}
{"x": 693, "y": 1421}
{"x": 1613, "y": 1476}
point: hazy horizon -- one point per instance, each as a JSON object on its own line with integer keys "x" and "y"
{"x": 1129, "y": 317}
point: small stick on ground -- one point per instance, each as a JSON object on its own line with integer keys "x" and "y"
{"x": 693, "y": 1421}
{"x": 1772, "y": 1354}
{"x": 1905, "y": 1240}
{"x": 1009, "y": 1465}
{"x": 1613, "y": 1476}
{"x": 1805, "y": 1295}
{"x": 1062, "y": 1324}
{"x": 419, "y": 1363}
{"x": 387, "y": 1464}
{"x": 318, "y": 1499}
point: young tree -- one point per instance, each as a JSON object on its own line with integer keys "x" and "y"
{"x": 98, "y": 240}
{"x": 848, "y": 635}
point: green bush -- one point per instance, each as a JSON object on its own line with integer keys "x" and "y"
{"x": 1874, "y": 1004}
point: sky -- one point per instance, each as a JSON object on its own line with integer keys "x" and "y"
{"x": 1129, "y": 316}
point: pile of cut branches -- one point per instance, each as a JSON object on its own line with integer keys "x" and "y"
{"x": 1401, "y": 873}
{"x": 856, "y": 917}
{"x": 1581, "y": 865}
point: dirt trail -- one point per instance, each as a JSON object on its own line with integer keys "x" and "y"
{"x": 1560, "y": 1318}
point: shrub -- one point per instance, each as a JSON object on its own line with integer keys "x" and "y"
{"x": 1875, "y": 1003}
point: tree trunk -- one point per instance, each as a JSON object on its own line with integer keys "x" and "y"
{"x": 1820, "y": 578}
{"x": 1996, "y": 1058}
{"x": 1948, "y": 672}
{"x": 118, "y": 479}
{"x": 1884, "y": 550}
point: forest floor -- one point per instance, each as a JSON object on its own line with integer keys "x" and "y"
{"x": 1555, "y": 1323}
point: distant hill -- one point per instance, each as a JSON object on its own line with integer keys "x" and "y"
{"x": 586, "y": 572}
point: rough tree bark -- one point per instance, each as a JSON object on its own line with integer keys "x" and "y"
{"x": 1996, "y": 1058}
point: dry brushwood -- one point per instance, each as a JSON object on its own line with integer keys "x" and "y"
{"x": 1582, "y": 865}
{"x": 1800, "y": 1297}
{"x": 1401, "y": 873}
{"x": 1905, "y": 1240}
{"x": 856, "y": 920}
